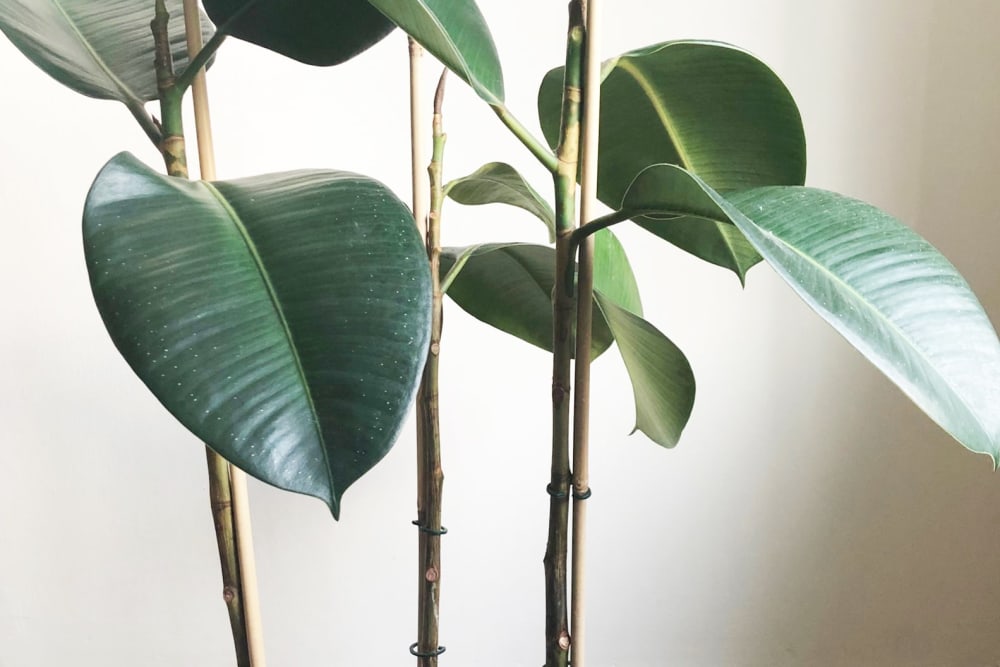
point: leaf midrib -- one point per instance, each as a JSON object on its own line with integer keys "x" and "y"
{"x": 276, "y": 304}
{"x": 858, "y": 298}
{"x": 626, "y": 65}
{"x": 122, "y": 87}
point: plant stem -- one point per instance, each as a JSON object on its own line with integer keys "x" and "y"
{"x": 220, "y": 492}
{"x": 430, "y": 471}
{"x": 584, "y": 323}
{"x": 200, "y": 60}
{"x": 537, "y": 148}
{"x": 557, "y": 638}
{"x": 172, "y": 124}
{"x": 225, "y": 493}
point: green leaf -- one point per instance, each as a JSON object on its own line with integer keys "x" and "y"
{"x": 499, "y": 183}
{"x": 316, "y": 32}
{"x": 711, "y": 108}
{"x": 283, "y": 319}
{"x": 455, "y": 32}
{"x": 687, "y": 216}
{"x": 509, "y": 286}
{"x": 886, "y": 290}
{"x": 613, "y": 275}
{"x": 662, "y": 380}
{"x": 892, "y": 295}
{"x": 100, "y": 49}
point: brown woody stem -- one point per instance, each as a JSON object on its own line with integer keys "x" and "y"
{"x": 557, "y": 637}
{"x": 430, "y": 472}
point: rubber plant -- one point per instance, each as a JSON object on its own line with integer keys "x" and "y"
{"x": 245, "y": 306}
{"x": 700, "y": 143}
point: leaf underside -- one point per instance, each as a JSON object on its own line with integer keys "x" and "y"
{"x": 662, "y": 381}
{"x": 99, "y": 49}
{"x": 890, "y": 293}
{"x": 499, "y": 183}
{"x": 454, "y": 32}
{"x": 315, "y": 32}
{"x": 509, "y": 286}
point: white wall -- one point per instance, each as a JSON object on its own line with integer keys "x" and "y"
{"x": 811, "y": 515}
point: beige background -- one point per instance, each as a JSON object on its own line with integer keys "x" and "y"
{"x": 810, "y": 516}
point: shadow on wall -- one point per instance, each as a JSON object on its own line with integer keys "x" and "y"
{"x": 886, "y": 526}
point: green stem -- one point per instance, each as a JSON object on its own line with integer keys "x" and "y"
{"x": 172, "y": 121}
{"x": 431, "y": 472}
{"x": 537, "y": 148}
{"x": 603, "y": 222}
{"x": 185, "y": 78}
{"x": 557, "y": 638}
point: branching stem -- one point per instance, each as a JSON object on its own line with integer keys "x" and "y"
{"x": 537, "y": 148}
{"x": 172, "y": 122}
{"x": 557, "y": 637}
{"x": 200, "y": 60}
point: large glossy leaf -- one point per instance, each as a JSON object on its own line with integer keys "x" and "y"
{"x": 885, "y": 289}
{"x": 455, "y": 32}
{"x": 317, "y": 32}
{"x": 509, "y": 286}
{"x": 712, "y": 108}
{"x": 890, "y": 294}
{"x": 662, "y": 380}
{"x": 101, "y": 49}
{"x": 283, "y": 319}
{"x": 499, "y": 183}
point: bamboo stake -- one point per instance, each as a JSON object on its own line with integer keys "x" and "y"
{"x": 247, "y": 628}
{"x": 420, "y": 195}
{"x": 584, "y": 321}
{"x": 557, "y": 636}
{"x": 418, "y": 150}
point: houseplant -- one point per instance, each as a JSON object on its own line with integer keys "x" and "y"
{"x": 453, "y": 141}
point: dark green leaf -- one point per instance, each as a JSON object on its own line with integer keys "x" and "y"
{"x": 316, "y": 32}
{"x": 684, "y": 209}
{"x": 509, "y": 287}
{"x": 283, "y": 319}
{"x": 101, "y": 49}
{"x": 455, "y": 32}
{"x": 499, "y": 183}
{"x": 661, "y": 376}
{"x": 711, "y": 108}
